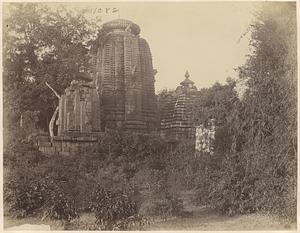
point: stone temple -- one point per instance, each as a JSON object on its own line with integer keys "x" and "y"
{"x": 117, "y": 93}
{"x": 176, "y": 113}
{"x": 121, "y": 93}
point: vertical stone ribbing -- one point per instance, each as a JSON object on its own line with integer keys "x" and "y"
{"x": 136, "y": 85}
{"x": 124, "y": 67}
{"x": 148, "y": 93}
{"x": 121, "y": 94}
{"x": 176, "y": 116}
{"x": 108, "y": 83}
{"x": 119, "y": 74}
{"x": 77, "y": 109}
{"x": 82, "y": 117}
{"x": 127, "y": 75}
{"x": 95, "y": 119}
{"x": 61, "y": 115}
{"x": 67, "y": 104}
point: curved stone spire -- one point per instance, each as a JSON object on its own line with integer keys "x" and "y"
{"x": 121, "y": 24}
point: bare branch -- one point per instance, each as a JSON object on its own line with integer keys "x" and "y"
{"x": 51, "y": 88}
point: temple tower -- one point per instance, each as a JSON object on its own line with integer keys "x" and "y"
{"x": 79, "y": 108}
{"x": 124, "y": 76}
{"x": 176, "y": 114}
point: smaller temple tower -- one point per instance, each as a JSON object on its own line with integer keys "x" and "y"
{"x": 176, "y": 116}
{"x": 79, "y": 108}
{"x": 78, "y": 120}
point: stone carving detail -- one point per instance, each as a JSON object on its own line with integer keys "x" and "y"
{"x": 123, "y": 65}
{"x": 79, "y": 109}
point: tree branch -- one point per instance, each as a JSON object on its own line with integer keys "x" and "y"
{"x": 52, "y": 89}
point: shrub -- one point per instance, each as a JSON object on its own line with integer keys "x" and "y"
{"x": 30, "y": 195}
{"x": 114, "y": 209}
{"x": 123, "y": 161}
{"x": 166, "y": 205}
{"x": 21, "y": 153}
{"x": 58, "y": 205}
{"x": 23, "y": 196}
{"x": 158, "y": 199}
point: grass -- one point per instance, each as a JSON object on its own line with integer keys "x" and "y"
{"x": 208, "y": 220}
{"x": 204, "y": 220}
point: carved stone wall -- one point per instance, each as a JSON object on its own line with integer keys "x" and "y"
{"x": 124, "y": 74}
{"x": 67, "y": 144}
{"x": 79, "y": 109}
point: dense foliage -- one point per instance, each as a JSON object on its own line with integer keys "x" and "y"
{"x": 58, "y": 204}
{"x": 258, "y": 172}
{"x": 27, "y": 195}
{"x": 135, "y": 173}
{"x": 115, "y": 210}
{"x": 40, "y": 44}
{"x": 23, "y": 196}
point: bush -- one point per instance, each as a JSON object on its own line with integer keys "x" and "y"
{"x": 31, "y": 195}
{"x": 166, "y": 206}
{"x": 115, "y": 210}
{"x": 23, "y": 160}
{"x": 158, "y": 200}
{"x": 23, "y": 196}
{"x": 58, "y": 205}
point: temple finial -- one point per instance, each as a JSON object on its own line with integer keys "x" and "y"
{"x": 187, "y": 82}
{"x": 187, "y": 75}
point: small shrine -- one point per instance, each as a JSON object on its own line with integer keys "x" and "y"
{"x": 176, "y": 117}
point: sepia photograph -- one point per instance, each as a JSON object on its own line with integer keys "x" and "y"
{"x": 149, "y": 116}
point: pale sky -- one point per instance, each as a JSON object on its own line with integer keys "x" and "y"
{"x": 201, "y": 37}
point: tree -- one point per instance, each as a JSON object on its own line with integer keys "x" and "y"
{"x": 259, "y": 173}
{"x": 41, "y": 44}
{"x": 215, "y": 102}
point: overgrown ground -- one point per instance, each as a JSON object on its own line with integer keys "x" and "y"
{"x": 200, "y": 219}
{"x": 131, "y": 180}
{"x": 208, "y": 220}
{"x": 204, "y": 218}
